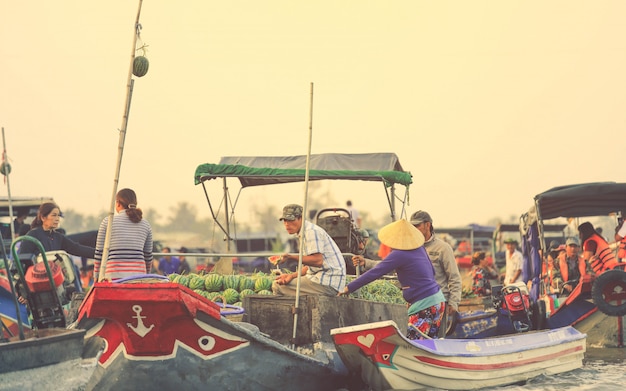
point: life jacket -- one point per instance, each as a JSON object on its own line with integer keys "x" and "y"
{"x": 621, "y": 251}
{"x": 605, "y": 259}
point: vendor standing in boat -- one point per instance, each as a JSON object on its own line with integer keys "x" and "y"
{"x": 446, "y": 269}
{"x": 514, "y": 262}
{"x": 44, "y": 228}
{"x": 130, "y": 247}
{"x": 323, "y": 270}
{"x": 416, "y": 275}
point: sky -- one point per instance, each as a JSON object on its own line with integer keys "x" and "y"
{"x": 486, "y": 103}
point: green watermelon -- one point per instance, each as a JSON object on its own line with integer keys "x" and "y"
{"x": 184, "y": 281}
{"x": 245, "y": 283}
{"x": 213, "y": 282}
{"x": 230, "y": 295}
{"x": 262, "y": 283}
{"x": 245, "y": 293}
{"x": 265, "y": 292}
{"x": 140, "y": 66}
{"x": 173, "y": 276}
{"x": 231, "y": 281}
{"x": 196, "y": 282}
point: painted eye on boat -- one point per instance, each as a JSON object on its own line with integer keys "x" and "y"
{"x": 386, "y": 356}
{"x": 206, "y": 342}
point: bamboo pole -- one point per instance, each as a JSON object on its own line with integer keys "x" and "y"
{"x": 7, "y": 168}
{"x": 120, "y": 149}
{"x": 304, "y": 214}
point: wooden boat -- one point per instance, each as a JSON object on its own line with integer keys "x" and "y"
{"x": 163, "y": 335}
{"x": 386, "y": 359}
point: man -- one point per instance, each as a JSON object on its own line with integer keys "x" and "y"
{"x": 168, "y": 264}
{"x": 323, "y": 270}
{"x": 514, "y": 262}
{"x": 572, "y": 265}
{"x": 354, "y": 214}
{"x": 446, "y": 270}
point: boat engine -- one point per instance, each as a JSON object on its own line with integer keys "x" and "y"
{"x": 46, "y": 304}
{"x": 515, "y": 301}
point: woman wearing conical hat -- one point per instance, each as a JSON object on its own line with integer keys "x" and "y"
{"x": 415, "y": 274}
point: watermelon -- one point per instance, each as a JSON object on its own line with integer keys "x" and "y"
{"x": 196, "y": 282}
{"x": 211, "y": 295}
{"x": 245, "y": 293}
{"x": 183, "y": 280}
{"x": 231, "y": 281}
{"x": 230, "y": 295}
{"x": 173, "y": 276}
{"x": 245, "y": 283}
{"x": 262, "y": 283}
{"x": 265, "y": 292}
{"x": 213, "y": 282}
{"x": 140, "y": 66}
{"x": 199, "y": 291}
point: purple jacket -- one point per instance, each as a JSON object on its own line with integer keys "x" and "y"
{"x": 415, "y": 274}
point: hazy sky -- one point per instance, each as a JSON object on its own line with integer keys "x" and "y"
{"x": 486, "y": 103}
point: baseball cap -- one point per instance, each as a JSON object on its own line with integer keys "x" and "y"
{"x": 572, "y": 242}
{"x": 291, "y": 212}
{"x": 510, "y": 240}
{"x": 420, "y": 217}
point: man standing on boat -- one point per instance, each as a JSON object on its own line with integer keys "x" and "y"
{"x": 323, "y": 270}
{"x": 446, "y": 270}
{"x": 514, "y": 262}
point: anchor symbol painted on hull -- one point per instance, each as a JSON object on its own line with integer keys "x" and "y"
{"x": 141, "y": 329}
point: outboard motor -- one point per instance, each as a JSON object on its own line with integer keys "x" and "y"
{"x": 44, "y": 301}
{"x": 514, "y": 300}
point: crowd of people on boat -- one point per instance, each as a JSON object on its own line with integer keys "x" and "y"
{"x": 425, "y": 265}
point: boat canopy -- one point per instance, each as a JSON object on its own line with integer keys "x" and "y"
{"x": 586, "y": 199}
{"x": 29, "y": 204}
{"x": 267, "y": 170}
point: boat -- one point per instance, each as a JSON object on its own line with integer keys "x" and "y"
{"x": 45, "y": 341}
{"x": 387, "y": 360}
{"x": 162, "y": 334}
{"x": 596, "y": 305}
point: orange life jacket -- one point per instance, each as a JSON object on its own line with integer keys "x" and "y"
{"x": 621, "y": 252}
{"x": 605, "y": 259}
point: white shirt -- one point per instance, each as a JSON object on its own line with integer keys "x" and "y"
{"x": 513, "y": 264}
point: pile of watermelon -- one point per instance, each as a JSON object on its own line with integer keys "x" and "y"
{"x": 229, "y": 289}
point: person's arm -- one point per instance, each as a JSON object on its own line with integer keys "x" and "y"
{"x": 515, "y": 276}
{"x": 284, "y": 279}
{"x": 455, "y": 284}
{"x": 582, "y": 266}
{"x": 77, "y": 249}
{"x": 315, "y": 260}
{"x": 563, "y": 267}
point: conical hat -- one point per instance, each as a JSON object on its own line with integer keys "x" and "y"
{"x": 401, "y": 235}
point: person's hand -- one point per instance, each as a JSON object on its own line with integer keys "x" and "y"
{"x": 451, "y": 310}
{"x": 22, "y": 300}
{"x": 358, "y": 260}
{"x": 284, "y": 279}
{"x": 344, "y": 292}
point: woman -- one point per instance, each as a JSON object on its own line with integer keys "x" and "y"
{"x": 130, "y": 246}
{"x": 415, "y": 274}
{"x": 482, "y": 273}
{"x": 43, "y": 228}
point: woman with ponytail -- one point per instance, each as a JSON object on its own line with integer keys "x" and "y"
{"x": 130, "y": 246}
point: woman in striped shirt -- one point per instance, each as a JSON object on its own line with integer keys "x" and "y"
{"x": 130, "y": 246}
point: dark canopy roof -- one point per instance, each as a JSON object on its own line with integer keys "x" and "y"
{"x": 586, "y": 199}
{"x": 28, "y": 204}
{"x": 266, "y": 170}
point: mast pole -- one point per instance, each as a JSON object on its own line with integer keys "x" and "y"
{"x": 304, "y": 214}
{"x": 120, "y": 148}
